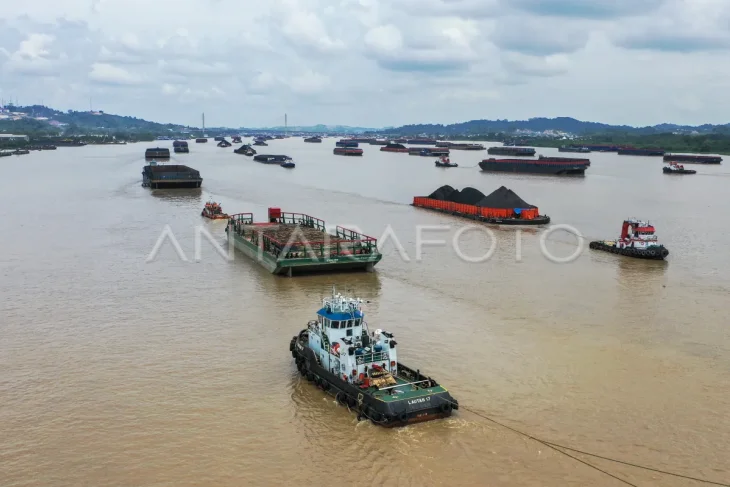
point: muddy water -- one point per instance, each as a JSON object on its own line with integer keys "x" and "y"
{"x": 116, "y": 371}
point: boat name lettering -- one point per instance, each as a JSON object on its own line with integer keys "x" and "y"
{"x": 418, "y": 401}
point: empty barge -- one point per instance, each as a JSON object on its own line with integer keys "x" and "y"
{"x": 170, "y": 176}
{"x": 511, "y": 151}
{"x": 294, "y": 243}
{"x": 692, "y": 159}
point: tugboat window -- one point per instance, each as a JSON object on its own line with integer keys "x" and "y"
{"x": 349, "y": 332}
{"x": 335, "y": 324}
{"x": 349, "y": 324}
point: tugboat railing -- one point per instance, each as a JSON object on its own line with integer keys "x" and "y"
{"x": 404, "y": 385}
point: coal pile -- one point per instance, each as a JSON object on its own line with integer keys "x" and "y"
{"x": 501, "y": 198}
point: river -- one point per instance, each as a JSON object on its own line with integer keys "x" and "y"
{"x": 119, "y": 371}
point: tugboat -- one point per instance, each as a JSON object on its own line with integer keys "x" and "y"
{"x": 340, "y": 354}
{"x": 637, "y": 240}
{"x": 213, "y": 211}
{"x": 445, "y": 162}
{"x": 224, "y": 143}
{"x": 288, "y": 164}
{"x": 236, "y": 139}
{"x": 260, "y": 142}
{"x": 674, "y": 168}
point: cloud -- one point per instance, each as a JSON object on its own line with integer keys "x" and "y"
{"x": 309, "y": 83}
{"x": 446, "y": 49}
{"x": 33, "y": 57}
{"x": 591, "y": 9}
{"x": 332, "y": 61}
{"x": 113, "y": 75}
{"x": 539, "y": 38}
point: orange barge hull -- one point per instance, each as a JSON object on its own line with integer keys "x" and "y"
{"x": 499, "y": 216}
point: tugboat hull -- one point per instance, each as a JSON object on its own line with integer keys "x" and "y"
{"x": 433, "y": 403}
{"x": 660, "y": 253}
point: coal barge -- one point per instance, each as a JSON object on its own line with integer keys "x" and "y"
{"x": 428, "y": 151}
{"x": 570, "y": 148}
{"x": 454, "y": 146}
{"x": 394, "y": 148}
{"x": 501, "y": 207}
{"x": 271, "y": 159}
{"x": 293, "y": 243}
{"x": 637, "y": 240}
{"x": 640, "y": 152}
{"x": 170, "y": 176}
{"x": 157, "y": 153}
{"x": 511, "y": 151}
{"x": 558, "y": 166}
{"x": 692, "y": 159}
{"x": 341, "y": 355}
{"x": 347, "y": 151}
{"x": 180, "y": 147}
{"x": 346, "y": 143}
{"x": 316, "y": 140}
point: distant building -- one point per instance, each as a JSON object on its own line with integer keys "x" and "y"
{"x": 13, "y": 137}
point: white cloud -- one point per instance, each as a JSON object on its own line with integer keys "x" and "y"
{"x": 332, "y": 61}
{"x": 113, "y": 75}
{"x": 309, "y": 83}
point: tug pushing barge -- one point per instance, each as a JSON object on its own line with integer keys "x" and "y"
{"x": 501, "y": 207}
{"x": 340, "y": 354}
{"x": 294, "y": 243}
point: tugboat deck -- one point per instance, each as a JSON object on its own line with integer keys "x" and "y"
{"x": 404, "y": 389}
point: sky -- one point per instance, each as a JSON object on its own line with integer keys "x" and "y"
{"x": 371, "y": 63}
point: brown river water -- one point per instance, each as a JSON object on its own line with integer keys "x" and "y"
{"x": 115, "y": 371}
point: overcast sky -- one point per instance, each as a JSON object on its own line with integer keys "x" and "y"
{"x": 372, "y": 63}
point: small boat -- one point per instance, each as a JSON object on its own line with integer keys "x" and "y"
{"x": 445, "y": 162}
{"x": 259, "y": 142}
{"x": 340, "y": 354}
{"x": 213, "y": 211}
{"x": 20, "y": 152}
{"x": 236, "y": 139}
{"x": 288, "y": 165}
{"x": 674, "y": 168}
{"x": 201, "y": 140}
{"x": 315, "y": 140}
{"x": 224, "y": 143}
{"x": 637, "y": 240}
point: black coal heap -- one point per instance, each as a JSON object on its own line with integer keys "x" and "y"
{"x": 500, "y": 198}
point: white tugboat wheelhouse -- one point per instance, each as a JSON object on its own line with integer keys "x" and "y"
{"x": 341, "y": 347}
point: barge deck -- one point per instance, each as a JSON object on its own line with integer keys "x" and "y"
{"x": 295, "y": 243}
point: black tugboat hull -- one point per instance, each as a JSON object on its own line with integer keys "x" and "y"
{"x": 681, "y": 171}
{"x": 652, "y": 254}
{"x": 387, "y": 414}
{"x": 438, "y": 164}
